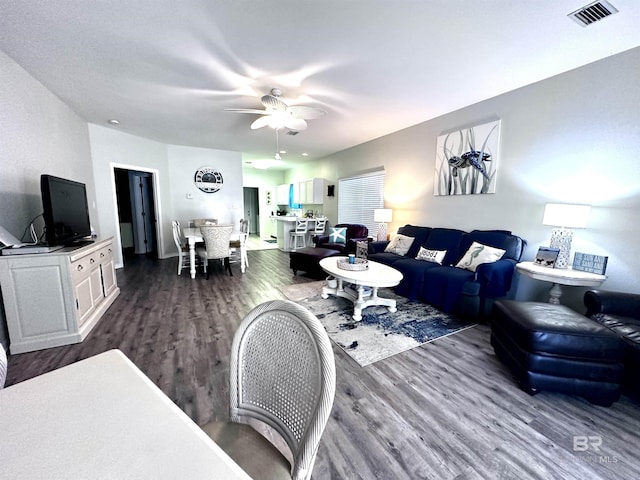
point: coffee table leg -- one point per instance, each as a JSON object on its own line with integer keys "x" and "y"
{"x": 387, "y": 302}
{"x": 359, "y": 304}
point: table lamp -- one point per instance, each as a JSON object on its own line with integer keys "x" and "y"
{"x": 382, "y": 216}
{"x": 565, "y": 217}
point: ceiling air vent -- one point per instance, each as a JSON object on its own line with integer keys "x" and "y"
{"x": 293, "y": 132}
{"x": 593, "y": 12}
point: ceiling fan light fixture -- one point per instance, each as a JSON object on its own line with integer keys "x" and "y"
{"x": 278, "y": 120}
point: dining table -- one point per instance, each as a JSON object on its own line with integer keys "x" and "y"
{"x": 193, "y": 235}
{"x": 103, "y": 418}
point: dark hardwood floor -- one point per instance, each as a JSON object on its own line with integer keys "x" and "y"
{"x": 445, "y": 410}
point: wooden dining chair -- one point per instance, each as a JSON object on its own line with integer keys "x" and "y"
{"x": 238, "y": 246}
{"x": 216, "y": 241}
{"x": 183, "y": 248}
{"x": 282, "y": 375}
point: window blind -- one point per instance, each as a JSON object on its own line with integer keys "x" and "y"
{"x": 358, "y": 196}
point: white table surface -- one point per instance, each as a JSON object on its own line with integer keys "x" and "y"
{"x": 377, "y": 275}
{"x": 102, "y": 418}
{"x": 564, "y": 276}
{"x": 560, "y": 276}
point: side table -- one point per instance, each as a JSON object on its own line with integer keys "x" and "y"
{"x": 560, "y": 276}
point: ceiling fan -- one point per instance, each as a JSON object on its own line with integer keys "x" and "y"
{"x": 278, "y": 114}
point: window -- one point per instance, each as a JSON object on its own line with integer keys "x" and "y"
{"x": 359, "y": 196}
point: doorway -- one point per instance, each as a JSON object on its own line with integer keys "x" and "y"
{"x": 135, "y": 198}
{"x": 252, "y": 209}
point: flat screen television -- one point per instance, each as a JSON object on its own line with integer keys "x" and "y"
{"x": 65, "y": 210}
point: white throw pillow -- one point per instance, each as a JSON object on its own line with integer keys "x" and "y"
{"x": 399, "y": 244}
{"x": 435, "y": 256}
{"x": 479, "y": 253}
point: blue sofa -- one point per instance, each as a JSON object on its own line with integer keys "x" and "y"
{"x": 445, "y": 286}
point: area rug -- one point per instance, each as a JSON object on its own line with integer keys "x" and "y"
{"x": 380, "y": 334}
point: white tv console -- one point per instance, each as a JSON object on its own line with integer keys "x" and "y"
{"x": 53, "y": 299}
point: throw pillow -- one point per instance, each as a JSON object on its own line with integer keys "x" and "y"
{"x": 338, "y": 235}
{"x": 479, "y": 253}
{"x": 399, "y": 244}
{"x": 436, "y": 256}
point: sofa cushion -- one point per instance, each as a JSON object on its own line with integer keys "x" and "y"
{"x": 386, "y": 257}
{"x": 419, "y": 233}
{"x": 435, "y": 256}
{"x": 443, "y": 286}
{"x": 445, "y": 239}
{"x": 399, "y": 244}
{"x": 412, "y": 284}
{"x": 477, "y": 254}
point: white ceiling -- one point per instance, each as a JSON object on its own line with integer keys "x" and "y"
{"x": 167, "y": 69}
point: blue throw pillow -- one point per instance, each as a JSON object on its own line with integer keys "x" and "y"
{"x": 338, "y": 235}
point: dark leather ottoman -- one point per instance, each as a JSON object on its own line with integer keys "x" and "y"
{"x": 308, "y": 259}
{"x": 551, "y": 347}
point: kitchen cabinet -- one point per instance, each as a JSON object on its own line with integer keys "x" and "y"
{"x": 56, "y": 298}
{"x": 309, "y": 192}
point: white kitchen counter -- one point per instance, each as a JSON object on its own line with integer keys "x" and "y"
{"x": 285, "y": 224}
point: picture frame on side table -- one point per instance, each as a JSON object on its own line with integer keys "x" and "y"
{"x": 547, "y": 256}
{"x": 587, "y": 262}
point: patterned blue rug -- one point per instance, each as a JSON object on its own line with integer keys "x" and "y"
{"x": 380, "y": 334}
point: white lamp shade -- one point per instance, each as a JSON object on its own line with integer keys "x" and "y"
{"x": 565, "y": 215}
{"x": 382, "y": 215}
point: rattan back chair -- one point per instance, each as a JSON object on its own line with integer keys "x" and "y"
{"x": 216, "y": 242}
{"x": 282, "y": 373}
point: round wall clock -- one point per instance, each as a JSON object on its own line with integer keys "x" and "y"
{"x": 208, "y": 179}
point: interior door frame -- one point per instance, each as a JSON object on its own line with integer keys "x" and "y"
{"x": 119, "y": 262}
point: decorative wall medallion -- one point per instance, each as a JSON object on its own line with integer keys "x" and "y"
{"x": 208, "y": 179}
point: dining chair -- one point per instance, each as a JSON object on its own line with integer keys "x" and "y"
{"x": 183, "y": 248}
{"x": 298, "y": 235}
{"x": 238, "y": 246}
{"x": 216, "y": 246}
{"x": 282, "y": 375}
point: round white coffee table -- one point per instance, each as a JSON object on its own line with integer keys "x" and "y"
{"x": 376, "y": 276}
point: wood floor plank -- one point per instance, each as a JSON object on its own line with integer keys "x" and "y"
{"x": 444, "y": 410}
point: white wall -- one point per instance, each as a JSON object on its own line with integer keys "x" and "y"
{"x": 111, "y": 148}
{"x": 226, "y": 205}
{"x": 569, "y": 139}
{"x": 38, "y": 134}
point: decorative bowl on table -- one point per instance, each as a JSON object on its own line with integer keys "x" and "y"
{"x": 359, "y": 264}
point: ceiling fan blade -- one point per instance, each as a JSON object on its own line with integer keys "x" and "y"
{"x": 307, "y": 113}
{"x": 269, "y": 101}
{"x": 260, "y": 122}
{"x": 246, "y": 110}
{"x": 295, "y": 124}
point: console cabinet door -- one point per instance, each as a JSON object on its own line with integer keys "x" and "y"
{"x": 35, "y": 294}
{"x": 54, "y": 299}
